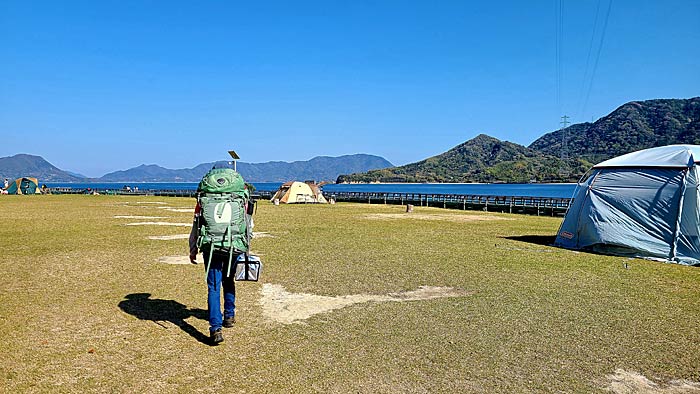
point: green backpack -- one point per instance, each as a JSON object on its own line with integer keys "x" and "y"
{"x": 226, "y": 214}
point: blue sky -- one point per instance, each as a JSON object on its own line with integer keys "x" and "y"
{"x": 95, "y": 87}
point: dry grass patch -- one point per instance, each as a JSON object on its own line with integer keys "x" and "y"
{"x": 74, "y": 279}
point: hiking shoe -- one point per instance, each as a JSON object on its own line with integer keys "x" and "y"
{"x": 217, "y": 337}
{"x": 229, "y": 321}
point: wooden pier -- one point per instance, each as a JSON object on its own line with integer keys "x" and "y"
{"x": 549, "y": 206}
{"x": 121, "y": 192}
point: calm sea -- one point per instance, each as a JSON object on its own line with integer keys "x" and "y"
{"x": 144, "y": 186}
{"x": 502, "y": 189}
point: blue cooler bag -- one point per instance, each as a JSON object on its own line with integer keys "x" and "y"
{"x": 248, "y": 267}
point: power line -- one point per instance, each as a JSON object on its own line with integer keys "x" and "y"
{"x": 595, "y": 64}
{"x": 584, "y": 81}
{"x": 561, "y": 51}
{"x": 559, "y": 17}
{"x": 558, "y": 34}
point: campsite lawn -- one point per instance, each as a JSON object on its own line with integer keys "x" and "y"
{"x": 85, "y": 304}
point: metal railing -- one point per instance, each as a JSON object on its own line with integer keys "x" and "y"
{"x": 513, "y": 204}
{"x": 553, "y": 206}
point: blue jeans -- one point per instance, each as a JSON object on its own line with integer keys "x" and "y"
{"x": 215, "y": 279}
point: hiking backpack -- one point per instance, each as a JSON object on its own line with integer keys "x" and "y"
{"x": 226, "y": 214}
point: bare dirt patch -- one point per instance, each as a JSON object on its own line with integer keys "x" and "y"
{"x": 627, "y": 382}
{"x": 189, "y": 210}
{"x": 169, "y": 237}
{"x": 139, "y": 217}
{"x": 186, "y": 236}
{"x": 180, "y": 259}
{"x": 262, "y": 234}
{"x": 158, "y": 205}
{"x": 439, "y": 216}
{"x": 159, "y": 224}
{"x": 284, "y": 307}
{"x": 144, "y": 203}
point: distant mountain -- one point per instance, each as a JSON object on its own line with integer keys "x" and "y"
{"x": 633, "y": 126}
{"x": 22, "y": 165}
{"x": 481, "y": 159}
{"x": 319, "y": 168}
{"x": 149, "y": 173}
{"x": 75, "y": 174}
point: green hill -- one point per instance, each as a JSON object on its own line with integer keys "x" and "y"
{"x": 633, "y": 126}
{"x": 481, "y": 159}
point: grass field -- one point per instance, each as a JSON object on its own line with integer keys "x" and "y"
{"x": 86, "y": 305}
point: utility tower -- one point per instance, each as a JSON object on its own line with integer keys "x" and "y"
{"x": 564, "y": 154}
{"x": 564, "y": 149}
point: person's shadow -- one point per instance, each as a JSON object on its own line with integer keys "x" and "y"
{"x": 146, "y": 308}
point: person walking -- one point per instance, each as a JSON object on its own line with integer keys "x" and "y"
{"x": 216, "y": 279}
{"x": 221, "y": 230}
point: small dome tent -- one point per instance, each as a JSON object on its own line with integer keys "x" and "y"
{"x": 24, "y": 186}
{"x": 299, "y": 192}
{"x": 642, "y": 204}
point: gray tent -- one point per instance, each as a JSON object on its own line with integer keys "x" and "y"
{"x": 642, "y": 204}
